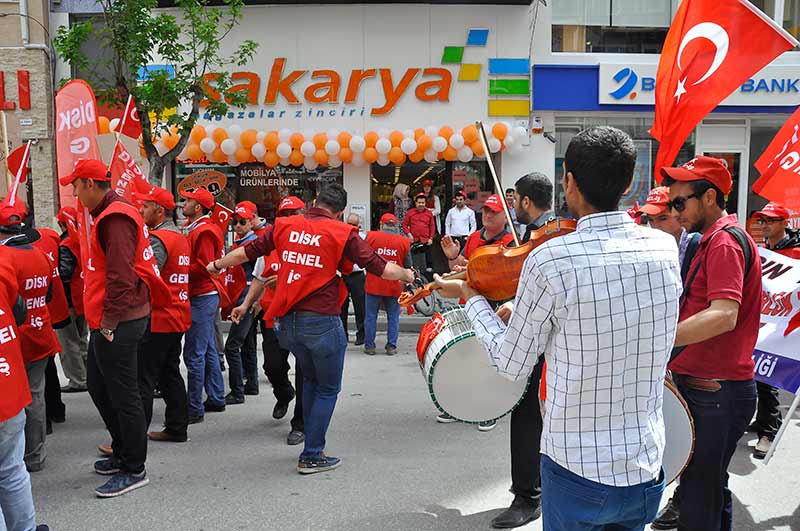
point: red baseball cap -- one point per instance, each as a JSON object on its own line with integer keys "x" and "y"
{"x": 656, "y": 202}
{"x": 93, "y": 169}
{"x": 67, "y": 214}
{"x": 7, "y": 212}
{"x": 246, "y": 210}
{"x": 700, "y": 168}
{"x": 291, "y": 203}
{"x": 202, "y": 196}
{"x": 427, "y": 182}
{"x": 460, "y": 193}
{"x": 159, "y": 196}
{"x": 389, "y": 219}
{"x": 774, "y": 211}
{"x": 494, "y": 203}
{"x": 422, "y": 195}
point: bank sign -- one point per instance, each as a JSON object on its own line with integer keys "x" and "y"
{"x": 635, "y": 84}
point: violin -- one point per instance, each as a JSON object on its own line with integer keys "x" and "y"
{"x": 494, "y": 270}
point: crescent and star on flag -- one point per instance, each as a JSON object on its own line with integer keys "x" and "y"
{"x": 718, "y": 37}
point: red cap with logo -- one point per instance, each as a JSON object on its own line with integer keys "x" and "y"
{"x": 7, "y": 212}
{"x": 701, "y": 168}
{"x": 427, "y": 182}
{"x": 93, "y": 169}
{"x": 388, "y": 219}
{"x": 202, "y": 196}
{"x": 656, "y": 202}
{"x": 245, "y": 210}
{"x": 159, "y": 196}
{"x": 291, "y": 203}
{"x": 493, "y": 203}
{"x": 774, "y": 211}
{"x": 67, "y": 214}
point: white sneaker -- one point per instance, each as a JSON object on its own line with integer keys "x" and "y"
{"x": 487, "y": 426}
{"x": 762, "y": 447}
{"x": 444, "y": 418}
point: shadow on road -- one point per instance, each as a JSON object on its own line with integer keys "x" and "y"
{"x": 433, "y": 517}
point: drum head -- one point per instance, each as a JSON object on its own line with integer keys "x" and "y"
{"x": 680, "y": 434}
{"x": 466, "y": 386}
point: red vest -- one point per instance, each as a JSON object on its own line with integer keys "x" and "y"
{"x": 48, "y": 243}
{"x": 176, "y": 316}
{"x": 309, "y": 252}
{"x": 14, "y": 391}
{"x": 791, "y": 252}
{"x": 144, "y": 264}
{"x": 200, "y": 281}
{"x": 393, "y": 248}
{"x": 76, "y": 282}
{"x": 34, "y": 275}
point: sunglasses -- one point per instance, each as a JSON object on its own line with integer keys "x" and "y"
{"x": 769, "y": 221}
{"x": 239, "y": 222}
{"x": 679, "y": 203}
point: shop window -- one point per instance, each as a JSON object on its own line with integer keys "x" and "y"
{"x": 790, "y": 18}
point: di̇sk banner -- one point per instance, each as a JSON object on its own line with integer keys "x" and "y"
{"x": 777, "y": 354}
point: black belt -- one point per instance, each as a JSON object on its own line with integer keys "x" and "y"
{"x": 305, "y": 313}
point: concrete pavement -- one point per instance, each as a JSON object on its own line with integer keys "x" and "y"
{"x": 401, "y": 470}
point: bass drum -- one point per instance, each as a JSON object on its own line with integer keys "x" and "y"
{"x": 680, "y": 433}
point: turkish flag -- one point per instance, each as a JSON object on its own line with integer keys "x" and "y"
{"x": 711, "y": 49}
{"x": 126, "y": 176}
{"x": 787, "y": 136}
{"x": 129, "y": 125}
{"x": 221, "y": 215}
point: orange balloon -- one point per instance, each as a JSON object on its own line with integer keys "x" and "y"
{"x": 242, "y": 154}
{"x": 344, "y": 140}
{"x": 171, "y": 140}
{"x": 198, "y": 133}
{"x": 193, "y": 152}
{"x": 371, "y": 138}
{"x": 103, "y": 125}
{"x": 371, "y": 154}
{"x": 319, "y": 141}
{"x": 346, "y": 155}
{"x": 295, "y": 140}
{"x": 219, "y": 156}
{"x": 219, "y": 134}
{"x": 271, "y": 141}
{"x": 450, "y": 153}
{"x": 321, "y": 157}
{"x": 395, "y": 137}
{"x": 424, "y": 143}
{"x": 499, "y": 130}
{"x": 470, "y": 134}
{"x": 417, "y": 156}
{"x": 248, "y": 138}
{"x": 418, "y": 132}
{"x": 296, "y": 158}
{"x": 271, "y": 159}
{"x": 397, "y": 156}
{"x": 477, "y": 148}
{"x": 446, "y": 132}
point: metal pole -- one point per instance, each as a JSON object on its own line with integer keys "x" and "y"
{"x": 784, "y": 425}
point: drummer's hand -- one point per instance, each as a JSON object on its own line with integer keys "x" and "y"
{"x": 450, "y": 247}
{"x": 454, "y": 288}
{"x": 504, "y": 312}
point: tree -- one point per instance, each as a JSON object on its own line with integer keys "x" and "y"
{"x": 188, "y": 41}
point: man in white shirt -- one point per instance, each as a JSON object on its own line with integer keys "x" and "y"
{"x": 602, "y": 305}
{"x": 460, "y": 221}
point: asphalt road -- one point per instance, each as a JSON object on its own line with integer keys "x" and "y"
{"x": 401, "y": 470}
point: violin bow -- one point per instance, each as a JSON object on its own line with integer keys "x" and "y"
{"x": 497, "y": 186}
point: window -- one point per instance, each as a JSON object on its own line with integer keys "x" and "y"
{"x": 791, "y": 13}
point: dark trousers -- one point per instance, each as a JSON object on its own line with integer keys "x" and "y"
{"x": 159, "y": 365}
{"x": 355, "y": 292}
{"x": 240, "y": 351}
{"x": 526, "y": 435}
{"x": 113, "y": 379}
{"x": 423, "y": 259}
{"x": 720, "y": 419}
{"x": 768, "y": 416}
{"x": 54, "y": 406}
{"x": 276, "y": 368}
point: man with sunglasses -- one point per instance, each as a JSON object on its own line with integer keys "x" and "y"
{"x": 718, "y": 326}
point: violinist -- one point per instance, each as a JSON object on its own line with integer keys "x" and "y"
{"x": 582, "y": 300}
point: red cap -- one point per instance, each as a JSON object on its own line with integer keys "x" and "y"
{"x": 460, "y": 193}
{"x": 246, "y": 210}
{"x": 494, "y": 203}
{"x": 157, "y": 195}
{"x": 202, "y": 196}
{"x": 427, "y": 182}
{"x": 388, "y": 219}
{"x": 291, "y": 203}
{"x": 92, "y": 169}
{"x": 774, "y": 211}
{"x": 700, "y": 168}
{"x": 423, "y": 196}
{"x": 656, "y": 202}
{"x": 67, "y": 214}
{"x": 7, "y": 212}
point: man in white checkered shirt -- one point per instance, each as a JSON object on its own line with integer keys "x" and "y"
{"x": 602, "y": 305}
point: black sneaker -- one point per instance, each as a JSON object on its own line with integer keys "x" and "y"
{"x": 196, "y": 419}
{"x": 295, "y": 437}
{"x": 232, "y": 400}
{"x": 521, "y": 512}
{"x": 667, "y": 518}
{"x": 280, "y": 409}
{"x": 120, "y": 484}
{"x": 323, "y": 463}
{"x": 107, "y": 467}
{"x": 250, "y": 391}
{"x": 213, "y": 408}
{"x": 42, "y": 527}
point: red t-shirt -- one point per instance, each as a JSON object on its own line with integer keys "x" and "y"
{"x": 728, "y": 356}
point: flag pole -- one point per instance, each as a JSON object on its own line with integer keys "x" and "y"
{"x": 498, "y": 187}
{"x": 119, "y": 131}
{"x": 785, "y": 423}
{"x": 12, "y": 197}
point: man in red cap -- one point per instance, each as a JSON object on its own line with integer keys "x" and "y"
{"x": 718, "y": 326}
{"x": 393, "y": 247}
{"x": 121, "y": 279}
{"x": 160, "y": 348}
{"x": 420, "y": 227}
{"x": 433, "y": 203}
{"x": 200, "y": 346}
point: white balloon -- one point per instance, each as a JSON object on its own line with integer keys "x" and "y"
{"x": 334, "y": 161}
{"x": 283, "y": 150}
{"x": 284, "y": 134}
{"x": 234, "y": 132}
{"x": 431, "y": 156}
{"x": 228, "y": 146}
{"x": 333, "y": 134}
{"x": 432, "y": 131}
{"x": 285, "y": 161}
{"x": 519, "y": 131}
{"x": 382, "y": 146}
{"x": 161, "y": 147}
{"x": 207, "y": 145}
{"x": 310, "y": 163}
{"x": 232, "y": 161}
{"x": 465, "y": 154}
{"x": 358, "y": 159}
{"x": 308, "y": 134}
{"x": 383, "y": 160}
{"x": 409, "y": 133}
{"x": 332, "y": 147}
{"x": 457, "y": 141}
{"x": 260, "y": 136}
{"x": 258, "y": 150}
{"x": 358, "y": 144}
{"x": 439, "y": 143}
{"x": 408, "y": 146}
{"x": 383, "y": 132}
{"x": 509, "y": 141}
{"x": 112, "y": 125}
{"x": 308, "y": 148}
{"x": 494, "y": 145}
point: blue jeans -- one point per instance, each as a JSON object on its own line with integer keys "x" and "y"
{"x": 201, "y": 357}
{"x": 573, "y": 503}
{"x": 371, "y": 319}
{"x": 318, "y": 343}
{"x": 16, "y": 501}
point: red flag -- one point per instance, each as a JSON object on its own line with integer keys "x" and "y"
{"x": 129, "y": 125}
{"x": 712, "y": 48}
{"x": 126, "y": 176}
{"x": 17, "y": 163}
{"x": 787, "y": 136}
{"x": 221, "y": 215}
{"x": 781, "y": 181}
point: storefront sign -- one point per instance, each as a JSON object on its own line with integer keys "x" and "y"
{"x": 212, "y": 180}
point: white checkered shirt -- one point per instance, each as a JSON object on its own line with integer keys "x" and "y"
{"x": 602, "y": 305}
